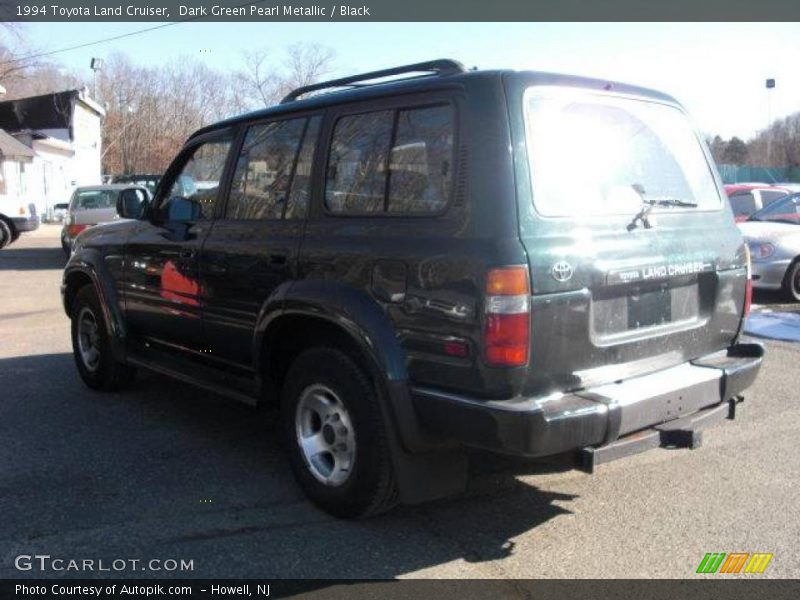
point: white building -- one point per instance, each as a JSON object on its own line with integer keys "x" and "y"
{"x": 63, "y": 132}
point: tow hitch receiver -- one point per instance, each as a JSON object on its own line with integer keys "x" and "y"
{"x": 679, "y": 433}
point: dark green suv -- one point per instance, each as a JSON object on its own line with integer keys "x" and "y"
{"x": 427, "y": 258}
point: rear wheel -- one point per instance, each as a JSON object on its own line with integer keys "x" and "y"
{"x": 791, "y": 281}
{"x": 91, "y": 345}
{"x": 335, "y": 435}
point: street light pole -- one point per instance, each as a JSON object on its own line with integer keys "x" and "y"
{"x": 770, "y": 84}
{"x": 96, "y": 65}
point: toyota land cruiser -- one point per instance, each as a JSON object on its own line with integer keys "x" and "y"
{"x": 425, "y": 259}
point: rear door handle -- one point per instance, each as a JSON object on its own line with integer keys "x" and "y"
{"x": 277, "y": 259}
{"x": 187, "y": 253}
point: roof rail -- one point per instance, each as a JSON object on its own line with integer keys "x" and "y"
{"x": 443, "y": 66}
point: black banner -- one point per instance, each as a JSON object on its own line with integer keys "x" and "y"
{"x": 466, "y": 589}
{"x": 394, "y": 10}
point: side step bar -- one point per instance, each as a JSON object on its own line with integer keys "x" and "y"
{"x": 680, "y": 433}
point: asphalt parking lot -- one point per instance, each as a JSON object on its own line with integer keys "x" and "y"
{"x": 165, "y": 471}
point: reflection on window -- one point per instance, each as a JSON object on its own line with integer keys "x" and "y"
{"x": 419, "y": 164}
{"x": 200, "y": 177}
{"x": 356, "y": 180}
{"x": 301, "y": 182}
{"x": 786, "y": 210}
{"x": 260, "y": 188}
{"x": 599, "y": 155}
{"x": 396, "y": 161}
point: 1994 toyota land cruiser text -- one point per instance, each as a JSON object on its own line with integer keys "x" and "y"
{"x": 438, "y": 261}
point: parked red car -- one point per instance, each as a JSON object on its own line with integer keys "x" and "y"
{"x": 747, "y": 198}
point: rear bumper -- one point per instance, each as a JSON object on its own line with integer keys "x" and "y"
{"x": 26, "y": 223}
{"x": 544, "y": 426}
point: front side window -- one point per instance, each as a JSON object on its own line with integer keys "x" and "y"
{"x": 260, "y": 188}
{"x": 598, "y": 154}
{"x": 397, "y": 161}
{"x": 769, "y": 196}
{"x": 194, "y": 192}
{"x": 786, "y": 210}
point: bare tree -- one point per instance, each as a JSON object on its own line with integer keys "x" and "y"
{"x": 307, "y": 64}
{"x": 264, "y": 82}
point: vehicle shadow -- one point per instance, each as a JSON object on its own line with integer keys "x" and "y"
{"x": 13, "y": 258}
{"x": 165, "y": 469}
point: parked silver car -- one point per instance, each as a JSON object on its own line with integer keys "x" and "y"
{"x": 91, "y": 206}
{"x": 773, "y": 235}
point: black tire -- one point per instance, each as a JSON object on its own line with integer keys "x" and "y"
{"x": 791, "y": 281}
{"x": 369, "y": 487}
{"x": 65, "y": 246}
{"x": 6, "y": 237}
{"x": 103, "y": 372}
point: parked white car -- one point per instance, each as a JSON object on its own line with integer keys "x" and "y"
{"x": 773, "y": 236}
{"x": 15, "y": 218}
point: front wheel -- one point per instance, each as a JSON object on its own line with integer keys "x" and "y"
{"x": 791, "y": 281}
{"x": 335, "y": 435}
{"x": 6, "y": 237}
{"x": 91, "y": 345}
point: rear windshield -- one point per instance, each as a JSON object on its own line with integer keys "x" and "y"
{"x": 595, "y": 154}
{"x": 90, "y": 199}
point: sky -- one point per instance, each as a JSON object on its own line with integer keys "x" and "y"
{"x": 716, "y": 70}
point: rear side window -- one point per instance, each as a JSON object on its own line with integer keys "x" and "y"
{"x": 397, "y": 161}
{"x": 356, "y": 178}
{"x": 260, "y": 188}
{"x": 743, "y": 205}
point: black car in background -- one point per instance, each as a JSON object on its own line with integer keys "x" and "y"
{"x": 147, "y": 181}
{"x": 528, "y": 263}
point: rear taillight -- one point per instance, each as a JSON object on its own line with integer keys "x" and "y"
{"x": 508, "y": 319}
{"x": 748, "y": 290}
{"x": 74, "y": 230}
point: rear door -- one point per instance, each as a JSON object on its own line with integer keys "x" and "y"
{"x": 162, "y": 287}
{"x": 253, "y": 248}
{"x": 620, "y": 287}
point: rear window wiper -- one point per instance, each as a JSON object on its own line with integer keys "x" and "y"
{"x": 648, "y": 204}
{"x": 669, "y": 202}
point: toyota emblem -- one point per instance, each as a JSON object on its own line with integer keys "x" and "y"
{"x": 562, "y": 271}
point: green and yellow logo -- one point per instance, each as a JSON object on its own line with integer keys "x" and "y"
{"x": 736, "y": 562}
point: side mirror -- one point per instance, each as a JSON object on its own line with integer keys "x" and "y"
{"x": 179, "y": 208}
{"x": 131, "y": 204}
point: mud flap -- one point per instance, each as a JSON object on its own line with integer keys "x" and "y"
{"x": 430, "y": 475}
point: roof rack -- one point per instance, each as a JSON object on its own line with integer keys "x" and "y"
{"x": 443, "y": 66}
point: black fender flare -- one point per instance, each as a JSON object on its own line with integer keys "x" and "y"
{"x": 364, "y": 320}
{"x": 89, "y": 263}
